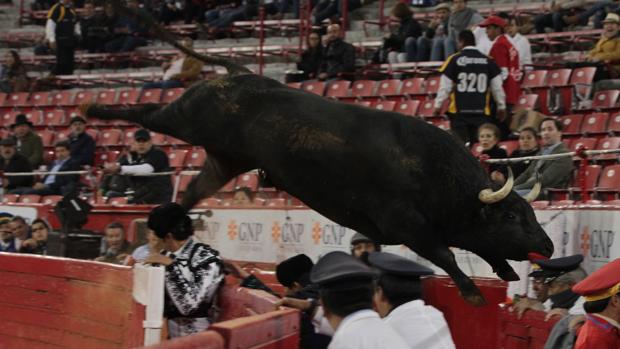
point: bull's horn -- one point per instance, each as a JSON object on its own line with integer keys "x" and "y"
{"x": 488, "y": 196}
{"x": 533, "y": 194}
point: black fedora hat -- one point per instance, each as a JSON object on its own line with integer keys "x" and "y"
{"x": 21, "y": 119}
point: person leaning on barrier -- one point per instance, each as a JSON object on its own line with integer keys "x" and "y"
{"x": 37, "y": 244}
{"x": 13, "y": 162}
{"x": 398, "y": 300}
{"x": 144, "y": 159}
{"x": 554, "y": 173}
{"x": 193, "y": 271}
{"x": 115, "y": 247}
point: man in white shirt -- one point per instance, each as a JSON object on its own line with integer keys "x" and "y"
{"x": 346, "y": 290}
{"x": 520, "y": 42}
{"x": 398, "y": 301}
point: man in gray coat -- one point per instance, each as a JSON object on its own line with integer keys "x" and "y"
{"x": 554, "y": 173}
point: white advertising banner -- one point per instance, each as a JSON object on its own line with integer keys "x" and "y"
{"x": 28, "y": 213}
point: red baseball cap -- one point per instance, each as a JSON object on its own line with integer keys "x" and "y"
{"x": 493, "y": 20}
{"x": 601, "y": 284}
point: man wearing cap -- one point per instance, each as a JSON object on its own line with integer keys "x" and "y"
{"x": 607, "y": 49}
{"x": 346, "y": 290}
{"x": 398, "y": 300}
{"x": 361, "y": 244}
{"x": 145, "y": 159}
{"x": 29, "y": 144}
{"x": 601, "y": 291}
{"x": 507, "y": 58}
{"x": 193, "y": 271}
{"x": 82, "y": 144}
{"x": 12, "y": 162}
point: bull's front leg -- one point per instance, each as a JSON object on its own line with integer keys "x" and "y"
{"x": 501, "y": 268}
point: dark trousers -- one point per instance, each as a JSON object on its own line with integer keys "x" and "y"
{"x": 65, "y": 59}
{"x": 465, "y": 126}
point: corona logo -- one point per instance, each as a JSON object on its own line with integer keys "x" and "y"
{"x": 232, "y": 230}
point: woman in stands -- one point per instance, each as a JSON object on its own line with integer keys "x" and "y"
{"x": 38, "y": 243}
{"x": 488, "y": 137}
{"x": 13, "y": 76}
{"x": 311, "y": 58}
{"x": 528, "y": 146}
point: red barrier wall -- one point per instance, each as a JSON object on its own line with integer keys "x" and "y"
{"x": 471, "y": 327}
{"x": 48, "y": 302}
{"x": 529, "y": 332}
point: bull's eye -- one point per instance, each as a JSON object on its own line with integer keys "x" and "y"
{"x": 510, "y": 216}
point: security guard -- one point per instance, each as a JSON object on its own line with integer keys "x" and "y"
{"x": 61, "y": 32}
{"x": 468, "y": 77}
{"x": 398, "y": 301}
{"x": 346, "y": 289}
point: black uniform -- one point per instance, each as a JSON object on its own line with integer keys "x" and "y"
{"x": 65, "y": 19}
{"x": 150, "y": 189}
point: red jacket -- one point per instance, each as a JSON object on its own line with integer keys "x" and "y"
{"x": 507, "y": 58}
{"x": 597, "y": 334}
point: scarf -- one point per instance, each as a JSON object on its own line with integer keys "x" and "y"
{"x": 565, "y": 299}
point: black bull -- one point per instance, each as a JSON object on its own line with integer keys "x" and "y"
{"x": 395, "y": 179}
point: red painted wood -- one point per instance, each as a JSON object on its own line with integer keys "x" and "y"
{"x": 204, "y": 340}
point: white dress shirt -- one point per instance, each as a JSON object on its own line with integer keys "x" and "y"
{"x": 522, "y": 44}
{"x": 420, "y": 325}
{"x": 364, "y": 329}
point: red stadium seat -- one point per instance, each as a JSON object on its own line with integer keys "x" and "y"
{"x": 432, "y": 84}
{"x": 128, "y": 134}
{"x": 388, "y": 87}
{"x": 535, "y": 79}
{"x": 177, "y": 157}
{"x": 427, "y": 108}
{"x": 363, "y": 88}
{"x": 366, "y": 104}
{"x": 558, "y": 77}
{"x": 10, "y": 198}
{"x": 150, "y": 96}
{"x": 118, "y": 201}
{"x": 614, "y": 123}
{"x": 93, "y": 133}
{"x": 106, "y": 97}
{"x": 589, "y": 143}
{"x": 84, "y": 96}
{"x": 8, "y": 118}
{"x": 54, "y": 118}
{"x": 338, "y": 88}
{"x": 158, "y": 138}
{"x": 48, "y": 157}
{"x": 2, "y": 98}
{"x": 102, "y": 157}
{"x": 17, "y": 99}
{"x": 609, "y": 180}
{"x": 385, "y": 105}
{"x": 276, "y": 203}
{"x": 595, "y": 123}
{"x": 35, "y": 116}
{"x": 605, "y": 99}
{"x": 110, "y": 137}
{"x": 184, "y": 181}
{"x": 39, "y": 99}
{"x": 196, "y": 158}
{"x": 247, "y": 180}
{"x": 476, "y": 149}
{"x": 412, "y": 86}
{"x": 592, "y": 174}
{"x": 61, "y": 98}
{"x": 51, "y": 199}
{"x": 608, "y": 143}
{"x": 443, "y": 124}
{"x": 295, "y": 85}
{"x": 527, "y": 101}
{"x": 571, "y": 124}
{"x": 409, "y": 107}
{"x": 29, "y": 199}
{"x": 129, "y": 96}
{"x": 316, "y": 87}
{"x": 509, "y": 146}
{"x": 47, "y": 136}
{"x": 539, "y": 205}
{"x": 228, "y": 187}
{"x": 171, "y": 94}
{"x": 175, "y": 141}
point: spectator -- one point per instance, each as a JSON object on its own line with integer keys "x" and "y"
{"x": 599, "y": 10}
{"x": 475, "y": 75}
{"x": 361, "y": 245}
{"x": 126, "y": 32}
{"x": 20, "y": 230}
{"x": 194, "y": 271}
{"x": 94, "y": 29}
{"x": 183, "y": 70}
{"x": 114, "y": 186}
{"x": 196, "y": 9}
{"x": 145, "y": 159}
{"x": 7, "y": 241}
{"x": 115, "y": 247}
{"x": 29, "y": 144}
{"x": 38, "y": 243}
{"x": 81, "y": 143}
{"x": 243, "y": 197}
{"x": 12, "y": 162}
{"x": 326, "y": 9}
{"x": 54, "y": 184}
{"x": 223, "y": 18}
{"x": 153, "y": 245}
{"x": 170, "y": 11}
{"x": 461, "y": 18}
{"x": 346, "y": 292}
{"x": 61, "y": 31}
{"x": 555, "y": 18}
{"x": 602, "y": 294}
{"x": 488, "y": 137}
{"x": 13, "y": 77}
{"x": 338, "y": 56}
{"x": 520, "y": 42}
{"x": 554, "y": 173}
{"x": 607, "y": 49}
{"x": 276, "y": 8}
{"x": 435, "y": 32}
{"x": 221, "y": 9}
{"x": 398, "y": 300}
{"x": 310, "y": 62}
{"x": 528, "y": 146}
{"x": 400, "y": 44}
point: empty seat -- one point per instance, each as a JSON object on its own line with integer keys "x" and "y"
{"x": 8, "y": 118}
{"x": 129, "y": 96}
{"x": 54, "y": 118}
{"x": 34, "y": 116}
{"x": 184, "y": 181}
{"x": 196, "y": 157}
{"x": 595, "y": 123}
{"x": 589, "y": 143}
{"x": 558, "y": 77}
{"x": 509, "y": 146}
{"x": 608, "y": 143}
{"x": 571, "y": 124}
{"x": 614, "y": 123}
{"x": 316, "y": 87}
{"x": 17, "y": 99}
{"x": 388, "y": 87}
{"x": 431, "y": 85}
{"x": 609, "y": 180}
{"x": 385, "y": 105}
{"x": 605, "y": 99}
{"x": 118, "y": 201}
{"x": 29, "y": 199}
{"x": 110, "y": 137}
{"x": 427, "y": 108}
{"x": 158, "y": 138}
{"x": 247, "y": 180}
{"x": 527, "y": 101}
{"x": 177, "y": 157}
{"x": 61, "y": 98}
{"x": 338, "y": 88}
{"x": 363, "y": 88}
{"x": 39, "y": 99}
{"x": 93, "y": 133}
{"x": 106, "y": 97}
{"x": 104, "y": 156}
{"x": 10, "y": 198}
{"x": 51, "y": 199}
{"x": 85, "y": 96}
{"x": 443, "y": 124}
{"x": 171, "y": 94}
{"x": 47, "y": 137}
{"x": 409, "y": 107}
{"x": 295, "y": 85}
{"x": 535, "y": 79}
{"x": 150, "y": 96}
{"x": 366, "y": 104}
{"x": 412, "y": 86}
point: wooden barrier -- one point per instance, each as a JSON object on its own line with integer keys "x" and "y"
{"x": 48, "y": 302}
{"x": 529, "y": 332}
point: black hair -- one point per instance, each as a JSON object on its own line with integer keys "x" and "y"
{"x": 115, "y": 225}
{"x": 345, "y": 301}
{"x": 467, "y": 38}
{"x": 18, "y": 219}
{"x": 532, "y": 130}
{"x": 42, "y": 221}
{"x": 63, "y": 144}
{"x": 399, "y": 290}
{"x": 557, "y": 122}
{"x": 183, "y": 230}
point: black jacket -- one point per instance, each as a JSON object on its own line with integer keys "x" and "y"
{"x": 82, "y": 149}
{"x": 310, "y": 62}
{"x": 63, "y": 185}
{"x": 408, "y": 28}
{"x": 497, "y": 153}
{"x": 18, "y": 163}
{"x": 338, "y": 57}
{"x": 519, "y": 167}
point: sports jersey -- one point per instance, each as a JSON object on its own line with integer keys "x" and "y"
{"x": 471, "y": 74}
{"x": 64, "y": 20}
{"x": 507, "y": 58}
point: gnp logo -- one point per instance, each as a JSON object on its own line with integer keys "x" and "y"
{"x": 288, "y": 233}
{"x": 597, "y": 243}
{"x": 328, "y": 234}
{"x": 245, "y": 231}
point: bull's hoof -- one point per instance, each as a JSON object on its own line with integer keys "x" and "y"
{"x": 83, "y": 108}
{"x": 477, "y": 300}
{"x": 508, "y": 275}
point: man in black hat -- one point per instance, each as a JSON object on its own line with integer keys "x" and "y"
{"x": 29, "y": 144}
{"x": 82, "y": 144}
{"x": 361, "y": 244}
{"x": 346, "y": 287}
{"x": 194, "y": 271}
{"x": 145, "y": 159}
{"x": 398, "y": 300}
{"x": 12, "y": 162}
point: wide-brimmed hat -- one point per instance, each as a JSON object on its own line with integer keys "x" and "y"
{"x": 612, "y": 18}
{"x": 21, "y": 119}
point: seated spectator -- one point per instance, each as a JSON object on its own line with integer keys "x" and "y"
{"x": 461, "y": 18}
{"x": 398, "y": 300}
{"x": 361, "y": 245}
{"x": 115, "y": 247}
{"x": 13, "y": 77}
{"x": 12, "y": 162}
{"x": 520, "y": 42}
{"x": 243, "y": 197}
{"x": 170, "y": 11}
{"x": 400, "y": 44}
{"x": 182, "y": 70}
{"x": 56, "y": 184}
{"x": 310, "y": 62}
{"x": 326, "y": 9}
{"x": 488, "y": 137}
{"x": 338, "y": 56}
{"x": 144, "y": 159}
{"x": 599, "y": 10}
{"x": 20, "y": 230}
{"x": 528, "y": 146}
{"x": 346, "y": 290}
{"x": 276, "y": 8}
{"x": 436, "y": 31}
{"x": 153, "y": 245}
{"x": 555, "y": 18}
{"x": 29, "y": 144}
{"x": 221, "y": 9}
{"x": 127, "y": 34}
{"x": 223, "y": 18}
{"x": 554, "y": 173}
{"x": 607, "y": 49}
{"x": 40, "y": 229}
{"x": 94, "y": 29}
{"x": 81, "y": 143}
{"x": 7, "y": 241}
{"x": 194, "y": 271}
